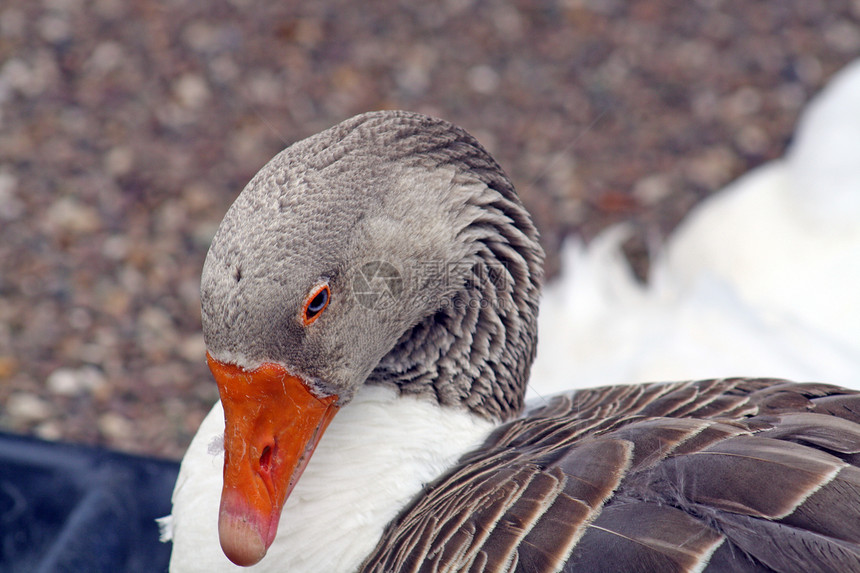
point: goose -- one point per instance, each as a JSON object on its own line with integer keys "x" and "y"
{"x": 369, "y": 307}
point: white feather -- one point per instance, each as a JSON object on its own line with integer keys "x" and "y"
{"x": 375, "y": 456}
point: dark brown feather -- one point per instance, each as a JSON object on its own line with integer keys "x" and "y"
{"x": 715, "y": 475}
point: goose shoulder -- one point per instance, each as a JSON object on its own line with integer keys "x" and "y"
{"x": 730, "y": 474}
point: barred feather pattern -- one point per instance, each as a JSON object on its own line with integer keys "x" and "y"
{"x": 713, "y": 475}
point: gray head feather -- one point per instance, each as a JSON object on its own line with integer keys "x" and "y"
{"x": 433, "y": 265}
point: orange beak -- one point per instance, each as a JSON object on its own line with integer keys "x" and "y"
{"x": 273, "y": 423}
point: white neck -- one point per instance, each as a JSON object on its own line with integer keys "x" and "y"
{"x": 376, "y": 455}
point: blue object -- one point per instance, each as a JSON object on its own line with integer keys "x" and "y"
{"x": 76, "y": 508}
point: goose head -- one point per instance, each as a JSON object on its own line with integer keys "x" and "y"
{"x": 390, "y": 249}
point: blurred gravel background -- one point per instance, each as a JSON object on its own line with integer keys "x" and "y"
{"x": 128, "y": 127}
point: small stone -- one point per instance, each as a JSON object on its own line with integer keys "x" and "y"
{"x": 713, "y": 167}
{"x": 483, "y": 79}
{"x": 80, "y": 318}
{"x": 652, "y": 189}
{"x": 115, "y": 247}
{"x": 843, "y": 36}
{"x": 13, "y": 23}
{"x": 27, "y": 407}
{"x": 115, "y": 426}
{"x": 8, "y": 366}
{"x": 413, "y": 79}
{"x": 224, "y": 69}
{"x": 11, "y": 207}
{"x": 752, "y": 139}
{"x": 191, "y": 91}
{"x": 791, "y": 96}
{"x": 201, "y": 37}
{"x": 54, "y": 29}
{"x": 119, "y": 161}
{"x": 809, "y": 70}
{"x": 75, "y": 381}
{"x": 107, "y": 57}
{"x": 69, "y": 214}
{"x": 193, "y": 348}
{"x": 50, "y": 430}
{"x": 744, "y": 102}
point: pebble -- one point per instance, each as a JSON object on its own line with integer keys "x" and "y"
{"x": 653, "y": 188}
{"x": 11, "y": 207}
{"x": 712, "y": 167}
{"x": 192, "y": 91}
{"x": 193, "y": 348}
{"x": 115, "y": 427}
{"x": 107, "y": 57}
{"x": 483, "y": 79}
{"x": 28, "y": 407}
{"x": 75, "y": 381}
{"x": 68, "y": 214}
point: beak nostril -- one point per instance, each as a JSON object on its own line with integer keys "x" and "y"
{"x": 266, "y": 458}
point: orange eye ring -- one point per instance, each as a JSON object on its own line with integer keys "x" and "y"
{"x": 315, "y": 303}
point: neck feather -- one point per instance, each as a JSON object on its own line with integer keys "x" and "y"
{"x": 477, "y": 346}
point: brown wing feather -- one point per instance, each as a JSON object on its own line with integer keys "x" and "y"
{"x": 715, "y": 475}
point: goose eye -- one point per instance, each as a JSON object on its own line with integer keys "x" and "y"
{"x": 315, "y": 303}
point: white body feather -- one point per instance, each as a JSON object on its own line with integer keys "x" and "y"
{"x": 374, "y": 457}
